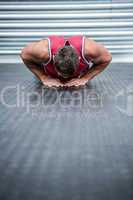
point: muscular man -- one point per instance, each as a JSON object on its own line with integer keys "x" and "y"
{"x": 65, "y": 61}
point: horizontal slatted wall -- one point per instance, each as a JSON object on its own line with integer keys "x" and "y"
{"x": 107, "y": 22}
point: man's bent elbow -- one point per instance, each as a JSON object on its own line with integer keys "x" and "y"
{"x": 110, "y": 57}
{"x": 23, "y": 54}
{"x": 107, "y": 58}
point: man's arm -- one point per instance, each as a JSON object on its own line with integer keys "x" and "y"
{"x": 29, "y": 56}
{"x": 34, "y": 68}
{"x": 100, "y": 56}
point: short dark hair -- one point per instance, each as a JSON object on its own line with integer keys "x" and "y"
{"x": 66, "y": 61}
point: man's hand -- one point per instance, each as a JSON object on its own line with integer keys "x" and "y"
{"x": 52, "y": 82}
{"x": 76, "y": 82}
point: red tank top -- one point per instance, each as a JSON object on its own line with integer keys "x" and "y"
{"x": 56, "y": 42}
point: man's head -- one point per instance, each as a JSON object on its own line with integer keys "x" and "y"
{"x": 66, "y": 61}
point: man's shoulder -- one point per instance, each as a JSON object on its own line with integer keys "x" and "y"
{"x": 92, "y": 48}
{"x": 36, "y": 51}
{"x": 42, "y": 51}
{"x": 90, "y": 45}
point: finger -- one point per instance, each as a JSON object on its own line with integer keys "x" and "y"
{"x": 56, "y": 84}
{"x": 69, "y": 85}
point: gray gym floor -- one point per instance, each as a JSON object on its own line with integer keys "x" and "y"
{"x": 66, "y": 144}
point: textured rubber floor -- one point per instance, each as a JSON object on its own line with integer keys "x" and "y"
{"x": 66, "y": 144}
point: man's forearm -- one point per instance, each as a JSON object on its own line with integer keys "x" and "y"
{"x": 36, "y": 69}
{"x": 95, "y": 70}
{"x": 39, "y": 72}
